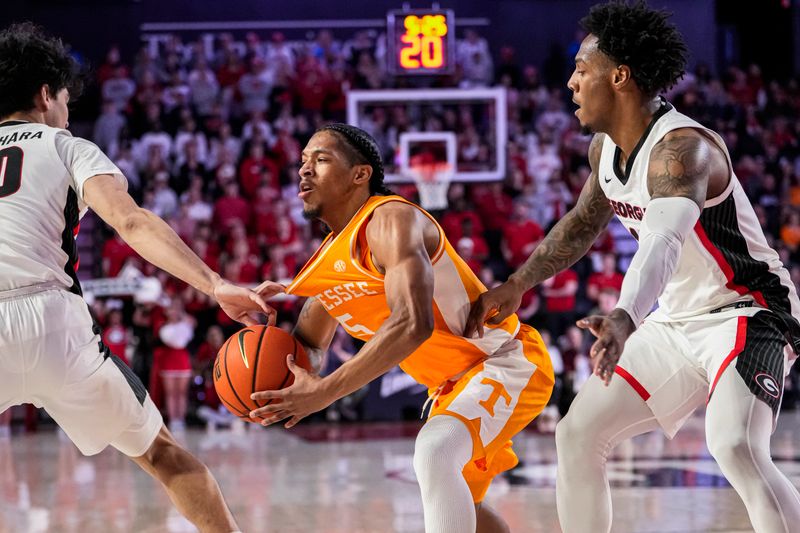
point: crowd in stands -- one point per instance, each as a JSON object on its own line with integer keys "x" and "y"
{"x": 209, "y": 137}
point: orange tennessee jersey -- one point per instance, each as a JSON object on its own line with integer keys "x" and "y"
{"x": 342, "y": 276}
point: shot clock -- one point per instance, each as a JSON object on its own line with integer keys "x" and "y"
{"x": 421, "y": 41}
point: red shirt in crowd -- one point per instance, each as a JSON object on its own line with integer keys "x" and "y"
{"x": 602, "y": 281}
{"x": 494, "y": 208}
{"x": 251, "y": 171}
{"x": 229, "y": 208}
{"x": 452, "y": 223}
{"x": 115, "y": 253}
{"x": 518, "y": 236}
{"x": 565, "y": 302}
{"x": 116, "y": 338}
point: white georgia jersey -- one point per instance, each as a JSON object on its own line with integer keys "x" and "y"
{"x": 42, "y": 173}
{"x": 725, "y": 260}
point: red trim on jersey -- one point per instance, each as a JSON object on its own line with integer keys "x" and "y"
{"x": 725, "y": 266}
{"x": 76, "y": 229}
{"x": 741, "y": 339}
{"x": 633, "y": 382}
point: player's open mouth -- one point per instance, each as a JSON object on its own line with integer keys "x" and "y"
{"x": 305, "y": 190}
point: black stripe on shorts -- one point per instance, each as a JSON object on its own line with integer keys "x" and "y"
{"x": 133, "y": 380}
{"x": 760, "y": 363}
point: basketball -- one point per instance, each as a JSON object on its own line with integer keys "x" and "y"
{"x": 251, "y": 360}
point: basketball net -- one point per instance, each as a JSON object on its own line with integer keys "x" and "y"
{"x": 432, "y": 181}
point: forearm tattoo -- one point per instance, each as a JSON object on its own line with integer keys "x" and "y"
{"x": 573, "y": 235}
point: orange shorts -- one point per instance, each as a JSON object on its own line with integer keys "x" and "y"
{"x": 496, "y": 399}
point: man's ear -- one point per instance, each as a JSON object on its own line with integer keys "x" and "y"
{"x": 622, "y": 76}
{"x": 363, "y": 174}
{"x": 42, "y": 100}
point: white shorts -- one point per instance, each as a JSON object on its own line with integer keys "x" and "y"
{"x": 674, "y": 366}
{"x": 51, "y": 357}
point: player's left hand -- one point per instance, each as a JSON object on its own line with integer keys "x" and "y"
{"x": 305, "y": 396}
{"x": 243, "y": 304}
{"x": 612, "y": 331}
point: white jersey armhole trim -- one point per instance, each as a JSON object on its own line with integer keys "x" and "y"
{"x": 717, "y": 140}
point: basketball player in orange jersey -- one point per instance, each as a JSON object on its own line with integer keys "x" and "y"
{"x": 727, "y": 314}
{"x": 50, "y": 352}
{"x": 388, "y": 276}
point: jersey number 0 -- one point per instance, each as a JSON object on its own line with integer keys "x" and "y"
{"x": 10, "y": 170}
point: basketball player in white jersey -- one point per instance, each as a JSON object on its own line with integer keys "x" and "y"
{"x": 50, "y": 352}
{"x": 727, "y": 311}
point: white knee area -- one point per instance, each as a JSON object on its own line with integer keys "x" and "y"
{"x": 570, "y": 440}
{"x": 738, "y": 429}
{"x": 600, "y": 418}
{"x": 442, "y": 449}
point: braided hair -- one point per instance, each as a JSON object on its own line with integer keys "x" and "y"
{"x": 360, "y": 149}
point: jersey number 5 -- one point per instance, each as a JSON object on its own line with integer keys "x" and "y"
{"x": 10, "y": 170}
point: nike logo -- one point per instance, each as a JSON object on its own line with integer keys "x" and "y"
{"x": 241, "y": 346}
{"x": 607, "y": 180}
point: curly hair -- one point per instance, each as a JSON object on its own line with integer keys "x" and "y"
{"x": 641, "y": 38}
{"x": 29, "y": 59}
{"x": 360, "y": 149}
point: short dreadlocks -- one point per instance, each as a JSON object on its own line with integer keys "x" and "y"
{"x": 641, "y": 38}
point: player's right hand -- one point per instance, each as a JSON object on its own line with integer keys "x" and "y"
{"x": 492, "y": 307}
{"x": 242, "y": 304}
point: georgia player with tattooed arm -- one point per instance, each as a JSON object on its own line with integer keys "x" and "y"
{"x": 727, "y": 310}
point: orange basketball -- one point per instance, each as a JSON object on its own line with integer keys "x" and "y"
{"x": 251, "y": 360}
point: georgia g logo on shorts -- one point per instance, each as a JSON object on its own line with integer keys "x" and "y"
{"x": 768, "y": 383}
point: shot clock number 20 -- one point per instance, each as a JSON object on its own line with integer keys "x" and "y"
{"x": 422, "y": 42}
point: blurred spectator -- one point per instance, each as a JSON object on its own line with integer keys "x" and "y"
{"x": 108, "y": 126}
{"x": 119, "y": 88}
{"x": 790, "y": 231}
{"x": 607, "y": 278}
{"x": 521, "y": 235}
{"x": 203, "y": 87}
{"x": 255, "y": 87}
{"x": 115, "y": 253}
{"x": 559, "y": 293}
{"x": 203, "y": 364}
{"x": 257, "y": 169}
{"x": 173, "y": 362}
{"x": 115, "y": 334}
{"x": 459, "y": 209}
{"x": 164, "y": 200}
{"x": 231, "y": 207}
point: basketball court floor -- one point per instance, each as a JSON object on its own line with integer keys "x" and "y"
{"x": 359, "y": 479}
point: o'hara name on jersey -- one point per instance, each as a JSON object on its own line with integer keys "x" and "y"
{"x": 19, "y": 136}
{"x": 626, "y": 210}
{"x": 345, "y": 292}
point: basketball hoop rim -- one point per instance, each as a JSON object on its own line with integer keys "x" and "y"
{"x": 439, "y": 172}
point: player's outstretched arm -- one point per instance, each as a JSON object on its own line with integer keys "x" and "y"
{"x": 568, "y": 241}
{"x": 154, "y": 240}
{"x": 395, "y": 237}
{"x": 678, "y": 179}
